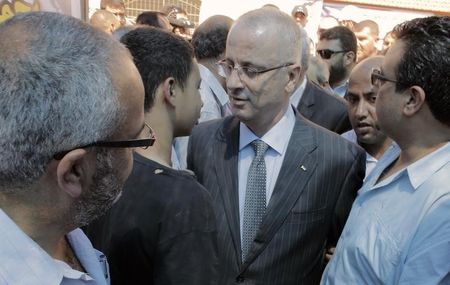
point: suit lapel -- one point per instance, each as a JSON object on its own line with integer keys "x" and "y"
{"x": 306, "y": 104}
{"x": 226, "y": 151}
{"x": 296, "y": 170}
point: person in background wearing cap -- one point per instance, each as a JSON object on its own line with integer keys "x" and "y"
{"x": 178, "y": 18}
{"x": 300, "y": 15}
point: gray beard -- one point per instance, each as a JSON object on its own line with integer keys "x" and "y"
{"x": 105, "y": 190}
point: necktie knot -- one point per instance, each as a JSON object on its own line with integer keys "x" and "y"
{"x": 259, "y": 147}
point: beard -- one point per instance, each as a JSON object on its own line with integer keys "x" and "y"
{"x": 337, "y": 73}
{"x": 103, "y": 193}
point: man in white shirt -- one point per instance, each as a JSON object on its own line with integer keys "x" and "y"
{"x": 398, "y": 231}
{"x": 361, "y": 97}
{"x": 281, "y": 186}
{"x": 72, "y": 102}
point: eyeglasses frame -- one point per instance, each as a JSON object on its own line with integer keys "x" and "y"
{"x": 240, "y": 71}
{"x": 143, "y": 143}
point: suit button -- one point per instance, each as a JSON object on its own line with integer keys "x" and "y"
{"x": 240, "y": 279}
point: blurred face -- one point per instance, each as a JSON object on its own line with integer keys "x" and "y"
{"x": 258, "y": 99}
{"x": 301, "y": 19}
{"x": 389, "y": 102}
{"x": 118, "y": 10}
{"x": 164, "y": 23}
{"x": 334, "y": 58}
{"x": 113, "y": 165}
{"x": 361, "y": 97}
{"x": 189, "y": 103}
{"x": 366, "y": 44}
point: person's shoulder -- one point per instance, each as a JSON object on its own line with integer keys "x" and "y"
{"x": 327, "y": 96}
{"x": 329, "y": 140}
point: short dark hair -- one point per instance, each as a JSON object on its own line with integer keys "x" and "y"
{"x": 159, "y": 54}
{"x": 150, "y": 18}
{"x": 426, "y": 61}
{"x": 344, "y": 35}
{"x": 209, "y": 40}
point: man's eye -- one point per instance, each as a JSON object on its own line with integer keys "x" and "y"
{"x": 250, "y": 72}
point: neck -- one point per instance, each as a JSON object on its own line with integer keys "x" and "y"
{"x": 161, "y": 151}
{"x": 37, "y": 222}
{"x": 377, "y": 150}
{"x": 263, "y": 125}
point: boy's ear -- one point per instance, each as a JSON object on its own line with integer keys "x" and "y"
{"x": 169, "y": 90}
{"x": 73, "y": 172}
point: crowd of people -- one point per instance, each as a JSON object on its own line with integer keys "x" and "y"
{"x": 234, "y": 152}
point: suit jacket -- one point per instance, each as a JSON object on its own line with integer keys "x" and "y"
{"x": 325, "y": 109}
{"x": 313, "y": 194}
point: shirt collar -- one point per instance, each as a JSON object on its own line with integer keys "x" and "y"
{"x": 211, "y": 81}
{"x": 23, "y": 260}
{"x": 298, "y": 93}
{"x": 271, "y": 137}
{"x": 424, "y": 168}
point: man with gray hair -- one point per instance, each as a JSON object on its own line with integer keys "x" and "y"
{"x": 71, "y": 107}
{"x": 278, "y": 205}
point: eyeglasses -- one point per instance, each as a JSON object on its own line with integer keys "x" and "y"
{"x": 328, "y": 53}
{"x": 377, "y": 77}
{"x": 248, "y": 71}
{"x": 146, "y": 139}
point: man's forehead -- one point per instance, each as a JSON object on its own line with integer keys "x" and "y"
{"x": 329, "y": 44}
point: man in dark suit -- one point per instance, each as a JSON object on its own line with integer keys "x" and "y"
{"x": 315, "y": 103}
{"x": 282, "y": 203}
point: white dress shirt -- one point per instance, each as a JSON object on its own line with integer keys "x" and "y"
{"x": 215, "y": 99}
{"x": 23, "y": 261}
{"x": 277, "y": 138}
{"x": 370, "y": 160}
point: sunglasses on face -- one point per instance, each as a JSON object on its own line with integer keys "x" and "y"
{"x": 328, "y": 53}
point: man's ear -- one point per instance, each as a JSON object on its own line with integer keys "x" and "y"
{"x": 72, "y": 172}
{"x": 349, "y": 58}
{"x": 295, "y": 75}
{"x": 169, "y": 90}
{"x": 415, "y": 100}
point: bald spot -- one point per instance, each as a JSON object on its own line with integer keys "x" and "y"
{"x": 270, "y": 28}
{"x": 363, "y": 70}
{"x": 104, "y": 20}
{"x": 214, "y": 22}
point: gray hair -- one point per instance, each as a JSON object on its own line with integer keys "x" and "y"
{"x": 304, "y": 46}
{"x": 56, "y": 92}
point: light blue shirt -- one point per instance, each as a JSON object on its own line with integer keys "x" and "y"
{"x": 341, "y": 89}
{"x": 398, "y": 231}
{"x": 298, "y": 94}
{"x": 277, "y": 138}
{"x": 23, "y": 262}
{"x": 216, "y": 103}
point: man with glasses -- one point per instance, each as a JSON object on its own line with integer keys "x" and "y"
{"x": 162, "y": 230}
{"x": 338, "y": 47}
{"x": 398, "y": 231}
{"x": 71, "y": 102}
{"x": 281, "y": 186}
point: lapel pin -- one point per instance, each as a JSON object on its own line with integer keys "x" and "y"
{"x": 158, "y": 171}
{"x": 303, "y": 168}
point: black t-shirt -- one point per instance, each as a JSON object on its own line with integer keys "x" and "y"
{"x": 161, "y": 231}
